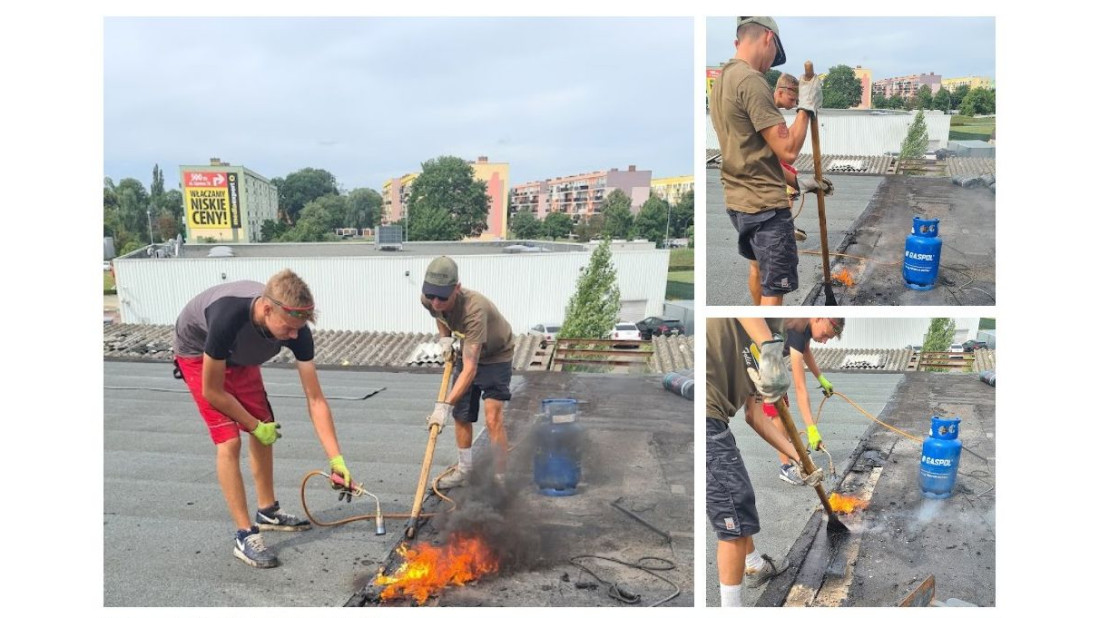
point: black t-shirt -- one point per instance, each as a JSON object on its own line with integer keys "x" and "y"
{"x": 798, "y": 340}
{"x": 218, "y": 322}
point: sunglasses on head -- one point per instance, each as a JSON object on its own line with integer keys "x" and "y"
{"x": 300, "y": 313}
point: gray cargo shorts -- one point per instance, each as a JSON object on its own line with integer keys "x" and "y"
{"x": 490, "y": 382}
{"x": 768, "y": 238}
{"x": 731, "y": 502}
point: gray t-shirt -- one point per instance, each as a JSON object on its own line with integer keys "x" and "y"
{"x": 218, "y": 322}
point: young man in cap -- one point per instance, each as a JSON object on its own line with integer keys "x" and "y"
{"x": 734, "y": 380}
{"x": 754, "y": 138}
{"x": 796, "y": 345}
{"x": 222, "y": 337}
{"x": 484, "y": 365}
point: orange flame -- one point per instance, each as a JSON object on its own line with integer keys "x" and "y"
{"x": 844, "y": 278}
{"x": 427, "y": 569}
{"x": 845, "y": 504}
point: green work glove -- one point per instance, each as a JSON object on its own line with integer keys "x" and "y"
{"x": 826, "y": 386}
{"x": 814, "y": 436}
{"x": 267, "y": 433}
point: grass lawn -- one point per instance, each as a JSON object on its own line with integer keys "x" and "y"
{"x": 682, "y": 276}
{"x": 108, "y": 283}
{"x": 681, "y": 259}
{"x": 968, "y": 127}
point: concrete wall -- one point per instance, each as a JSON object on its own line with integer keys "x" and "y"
{"x": 382, "y": 293}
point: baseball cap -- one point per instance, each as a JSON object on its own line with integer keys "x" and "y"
{"x": 769, "y": 23}
{"x": 441, "y": 277}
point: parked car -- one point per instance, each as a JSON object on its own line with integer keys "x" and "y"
{"x": 548, "y": 332}
{"x": 955, "y": 351}
{"x": 974, "y": 344}
{"x": 660, "y": 326}
{"x": 625, "y": 331}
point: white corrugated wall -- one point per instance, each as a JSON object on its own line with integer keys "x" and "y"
{"x": 861, "y": 134}
{"x": 892, "y": 333}
{"x": 382, "y": 293}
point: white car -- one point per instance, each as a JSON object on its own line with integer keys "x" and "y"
{"x": 625, "y": 331}
{"x": 548, "y": 333}
{"x": 955, "y": 351}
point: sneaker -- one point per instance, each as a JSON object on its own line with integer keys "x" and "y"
{"x": 455, "y": 477}
{"x": 251, "y": 549}
{"x": 799, "y": 234}
{"x": 276, "y": 519}
{"x": 771, "y": 568}
{"x": 790, "y": 474}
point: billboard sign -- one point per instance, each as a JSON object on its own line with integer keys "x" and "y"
{"x": 212, "y": 200}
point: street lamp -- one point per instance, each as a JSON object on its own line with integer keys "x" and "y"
{"x": 149, "y": 216}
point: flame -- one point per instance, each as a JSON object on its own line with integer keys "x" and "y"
{"x": 845, "y": 504}
{"x": 427, "y": 569}
{"x": 844, "y": 277}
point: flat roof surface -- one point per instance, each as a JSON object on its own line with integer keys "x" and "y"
{"x": 164, "y": 513}
{"x": 352, "y": 248}
{"x": 967, "y": 272}
{"x": 901, "y": 538}
{"x": 727, "y": 271}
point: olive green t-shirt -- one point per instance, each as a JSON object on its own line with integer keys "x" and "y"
{"x": 741, "y": 106}
{"x": 475, "y": 319}
{"x": 728, "y": 384}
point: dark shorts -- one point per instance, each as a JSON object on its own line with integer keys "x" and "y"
{"x": 242, "y": 382}
{"x": 768, "y": 238}
{"x": 731, "y": 502}
{"x": 490, "y": 382}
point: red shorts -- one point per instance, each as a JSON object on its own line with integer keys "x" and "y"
{"x": 771, "y": 411}
{"x": 244, "y": 383}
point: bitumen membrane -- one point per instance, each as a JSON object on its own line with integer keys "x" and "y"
{"x": 901, "y": 538}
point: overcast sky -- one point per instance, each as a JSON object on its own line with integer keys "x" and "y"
{"x": 889, "y": 46}
{"x": 372, "y": 98}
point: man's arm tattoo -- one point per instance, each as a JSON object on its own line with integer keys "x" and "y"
{"x": 471, "y": 353}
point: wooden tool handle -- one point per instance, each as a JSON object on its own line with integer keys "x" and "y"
{"x": 809, "y": 70}
{"x": 803, "y": 455}
{"x": 429, "y": 452}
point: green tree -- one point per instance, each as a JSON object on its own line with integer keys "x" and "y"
{"x": 652, "y": 221}
{"x": 447, "y": 184}
{"x": 941, "y": 332}
{"x": 317, "y": 221}
{"x": 432, "y": 223}
{"x": 924, "y": 97}
{"x": 618, "y": 220}
{"x": 525, "y": 225}
{"x": 841, "y": 89}
{"x": 557, "y": 225}
{"x": 363, "y": 206}
{"x": 942, "y": 100}
{"x": 772, "y": 77}
{"x": 302, "y": 187}
{"x": 895, "y": 102}
{"x": 156, "y": 189}
{"x": 133, "y": 210}
{"x": 594, "y": 307}
{"x": 916, "y": 140}
{"x": 682, "y": 216}
{"x": 960, "y": 93}
{"x": 272, "y": 231}
{"x": 878, "y": 101}
{"x": 978, "y": 101}
{"x": 589, "y": 228}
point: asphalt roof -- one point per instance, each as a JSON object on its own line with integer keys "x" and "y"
{"x": 168, "y": 538}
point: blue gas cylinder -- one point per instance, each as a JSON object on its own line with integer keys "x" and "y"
{"x": 939, "y": 459}
{"x": 922, "y": 254}
{"x": 558, "y": 438}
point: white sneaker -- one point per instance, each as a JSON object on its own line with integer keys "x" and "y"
{"x": 456, "y": 477}
{"x": 790, "y": 474}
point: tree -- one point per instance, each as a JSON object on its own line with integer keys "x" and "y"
{"x": 978, "y": 101}
{"x": 841, "y": 89}
{"x": 594, "y": 307}
{"x": 589, "y": 228}
{"x": 302, "y": 187}
{"x": 940, "y": 334}
{"x": 895, "y": 102}
{"x": 960, "y": 93}
{"x": 318, "y": 220}
{"x": 652, "y": 221}
{"x": 557, "y": 225}
{"x": 878, "y": 101}
{"x": 432, "y": 223}
{"x": 942, "y": 100}
{"x": 924, "y": 97}
{"x": 133, "y": 209}
{"x": 156, "y": 189}
{"x": 618, "y": 220}
{"x": 916, "y": 140}
{"x": 682, "y": 216}
{"x": 525, "y": 225}
{"x": 271, "y": 230}
{"x": 363, "y": 206}
{"x": 772, "y": 77}
{"x": 447, "y": 184}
